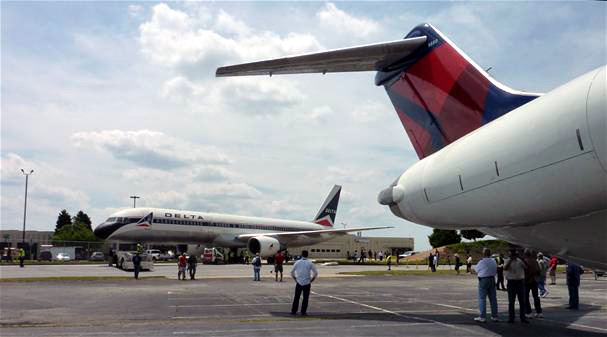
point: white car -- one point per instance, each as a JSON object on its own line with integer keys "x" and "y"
{"x": 63, "y": 257}
{"x": 407, "y": 254}
{"x": 155, "y": 253}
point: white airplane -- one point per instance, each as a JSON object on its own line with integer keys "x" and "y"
{"x": 524, "y": 167}
{"x": 260, "y": 235}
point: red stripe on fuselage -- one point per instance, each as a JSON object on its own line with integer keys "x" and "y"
{"x": 324, "y": 222}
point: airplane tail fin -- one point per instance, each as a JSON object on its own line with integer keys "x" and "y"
{"x": 328, "y": 210}
{"x": 438, "y": 92}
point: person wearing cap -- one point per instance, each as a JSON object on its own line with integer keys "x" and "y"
{"x": 486, "y": 269}
{"x": 532, "y": 274}
{"x": 541, "y": 283}
{"x": 514, "y": 271}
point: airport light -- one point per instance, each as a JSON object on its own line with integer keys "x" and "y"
{"x": 344, "y": 224}
{"x": 27, "y": 175}
{"x": 134, "y": 197}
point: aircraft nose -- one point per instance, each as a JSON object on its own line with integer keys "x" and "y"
{"x": 103, "y": 231}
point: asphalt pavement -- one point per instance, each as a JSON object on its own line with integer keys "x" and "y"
{"x": 411, "y": 305}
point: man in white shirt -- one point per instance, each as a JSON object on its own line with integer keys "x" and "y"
{"x": 486, "y": 269}
{"x": 301, "y": 274}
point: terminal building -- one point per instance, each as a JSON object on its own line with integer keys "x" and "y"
{"x": 344, "y": 246}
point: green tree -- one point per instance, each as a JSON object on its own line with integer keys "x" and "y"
{"x": 63, "y": 219}
{"x": 472, "y": 234}
{"x": 443, "y": 237}
{"x": 77, "y": 231}
{"x": 83, "y": 218}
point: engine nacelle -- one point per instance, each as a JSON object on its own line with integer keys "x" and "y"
{"x": 264, "y": 245}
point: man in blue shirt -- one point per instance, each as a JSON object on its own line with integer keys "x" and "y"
{"x": 301, "y": 274}
{"x": 486, "y": 270}
{"x": 573, "y": 283}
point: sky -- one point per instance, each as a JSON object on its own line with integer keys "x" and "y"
{"x": 104, "y": 100}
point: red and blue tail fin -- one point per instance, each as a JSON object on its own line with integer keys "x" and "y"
{"x": 328, "y": 210}
{"x": 440, "y": 94}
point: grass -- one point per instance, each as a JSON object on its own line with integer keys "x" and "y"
{"x": 399, "y": 272}
{"x": 77, "y": 278}
{"x": 36, "y": 262}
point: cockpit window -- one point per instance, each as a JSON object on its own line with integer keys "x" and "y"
{"x": 110, "y": 220}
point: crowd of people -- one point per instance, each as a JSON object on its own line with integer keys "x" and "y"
{"x": 524, "y": 275}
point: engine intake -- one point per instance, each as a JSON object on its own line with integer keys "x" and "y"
{"x": 264, "y": 245}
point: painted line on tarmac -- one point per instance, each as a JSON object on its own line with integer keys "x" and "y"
{"x": 292, "y": 328}
{"x": 575, "y": 324}
{"x": 543, "y": 319}
{"x": 400, "y": 315}
{"x": 262, "y": 304}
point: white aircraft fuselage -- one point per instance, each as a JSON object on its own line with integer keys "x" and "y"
{"x": 536, "y": 176}
{"x": 187, "y": 227}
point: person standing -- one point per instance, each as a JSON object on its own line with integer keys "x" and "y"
{"x": 541, "y": 283}
{"x": 554, "y": 261}
{"x": 532, "y": 274}
{"x": 435, "y": 261}
{"x": 500, "y": 272}
{"x": 304, "y": 273}
{"x": 256, "y": 267}
{"x": 136, "y": 265}
{"x": 381, "y": 255}
{"x": 192, "y": 262}
{"x": 469, "y": 264}
{"x": 458, "y": 263}
{"x": 21, "y": 257}
{"x": 181, "y": 265}
{"x": 431, "y": 262}
{"x": 110, "y": 257}
{"x": 573, "y": 284}
{"x": 514, "y": 269}
{"x": 278, "y": 262}
{"x": 486, "y": 269}
{"x": 389, "y": 261}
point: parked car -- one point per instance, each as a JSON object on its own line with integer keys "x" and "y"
{"x": 63, "y": 257}
{"x": 407, "y": 254}
{"x": 45, "y": 256}
{"x": 155, "y": 253}
{"x": 97, "y": 256}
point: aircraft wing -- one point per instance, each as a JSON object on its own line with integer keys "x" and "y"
{"x": 369, "y": 57}
{"x": 316, "y": 233}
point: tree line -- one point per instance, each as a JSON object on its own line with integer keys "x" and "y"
{"x": 443, "y": 237}
{"x": 76, "y": 228}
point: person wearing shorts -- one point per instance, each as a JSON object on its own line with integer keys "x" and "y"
{"x": 278, "y": 262}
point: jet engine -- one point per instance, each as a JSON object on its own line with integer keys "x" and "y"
{"x": 264, "y": 245}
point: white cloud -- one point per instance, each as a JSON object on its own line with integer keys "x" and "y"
{"x": 344, "y": 23}
{"x": 320, "y": 113}
{"x": 135, "y": 10}
{"x": 148, "y": 148}
{"x": 183, "y": 43}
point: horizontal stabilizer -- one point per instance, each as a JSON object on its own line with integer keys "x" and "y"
{"x": 245, "y": 237}
{"x": 372, "y": 57}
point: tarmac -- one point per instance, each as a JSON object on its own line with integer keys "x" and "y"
{"x": 225, "y": 303}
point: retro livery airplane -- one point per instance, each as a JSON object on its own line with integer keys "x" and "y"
{"x": 524, "y": 167}
{"x": 259, "y": 235}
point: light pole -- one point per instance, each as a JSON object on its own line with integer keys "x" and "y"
{"x": 344, "y": 224}
{"x": 134, "y": 197}
{"x": 27, "y": 175}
